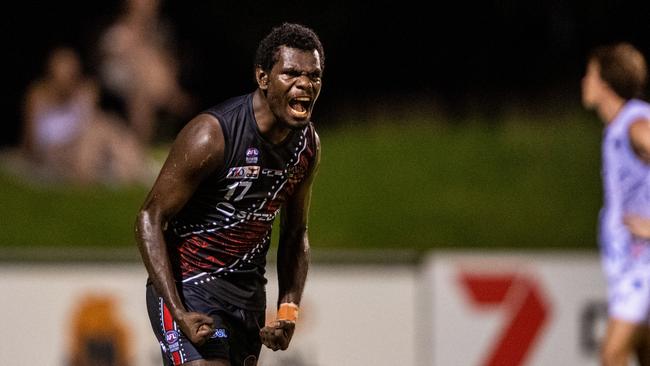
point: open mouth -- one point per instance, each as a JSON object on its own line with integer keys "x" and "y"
{"x": 300, "y": 106}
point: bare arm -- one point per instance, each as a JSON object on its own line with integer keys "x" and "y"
{"x": 293, "y": 259}
{"x": 293, "y": 246}
{"x": 197, "y": 151}
{"x": 639, "y": 133}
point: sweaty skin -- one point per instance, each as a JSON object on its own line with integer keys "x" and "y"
{"x": 198, "y": 151}
{"x": 295, "y": 77}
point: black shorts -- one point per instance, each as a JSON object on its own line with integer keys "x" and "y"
{"x": 236, "y": 337}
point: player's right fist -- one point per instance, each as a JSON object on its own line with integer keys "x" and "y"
{"x": 197, "y": 327}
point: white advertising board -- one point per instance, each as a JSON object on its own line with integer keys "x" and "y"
{"x": 351, "y": 315}
{"x": 462, "y": 309}
{"x": 499, "y": 309}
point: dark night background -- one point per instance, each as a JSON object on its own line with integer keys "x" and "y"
{"x": 460, "y": 56}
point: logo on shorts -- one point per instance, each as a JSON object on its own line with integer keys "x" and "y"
{"x": 251, "y": 155}
{"x": 220, "y": 333}
{"x": 171, "y": 337}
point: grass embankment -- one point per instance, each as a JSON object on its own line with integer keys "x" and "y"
{"x": 514, "y": 186}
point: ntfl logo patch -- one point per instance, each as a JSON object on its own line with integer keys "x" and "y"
{"x": 252, "y": 155}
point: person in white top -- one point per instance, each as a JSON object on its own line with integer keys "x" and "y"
{"x": 139, "y": 68}
{"x": 614, "y": 82}
{"x": 68, "y": 137}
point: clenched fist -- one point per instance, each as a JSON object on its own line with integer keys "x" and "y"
{"x": 277, "y": 335}
{"x": 197, "y": 327}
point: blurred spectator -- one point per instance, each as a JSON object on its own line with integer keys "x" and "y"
{"x": 138, "y": 71}
{"x": 66, "y": 135}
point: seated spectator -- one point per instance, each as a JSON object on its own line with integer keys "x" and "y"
{"x": 138, "y": 71}
{"x": 68, "y": 137}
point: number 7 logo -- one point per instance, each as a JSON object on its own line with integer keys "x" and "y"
{"x": 525, "y": 307}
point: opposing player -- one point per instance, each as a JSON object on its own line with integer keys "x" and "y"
{"x": 615, "y": 78}
{"x": 205, "y": 227}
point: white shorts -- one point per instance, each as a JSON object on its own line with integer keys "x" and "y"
{"x": 629, "y": 294}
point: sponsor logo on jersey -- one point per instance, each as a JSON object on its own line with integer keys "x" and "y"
{"x": 272, "y": 172}
{"x": 241, "y": 172}
{"x": 229, "y": 211}
{"x": 252, "y": 155}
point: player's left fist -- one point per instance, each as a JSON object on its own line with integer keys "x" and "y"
{"x": 277, "y": 334}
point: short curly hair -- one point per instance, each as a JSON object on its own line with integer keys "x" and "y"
{"x": 623, "y": 67}
{"x": 290, "y": 35}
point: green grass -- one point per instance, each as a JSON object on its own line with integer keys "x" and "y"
{"x": 412, "y": 185}
{"x": 527, "y": 185}
{"x": 56, "y": 216}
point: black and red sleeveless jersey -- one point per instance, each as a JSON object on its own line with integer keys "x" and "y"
{"x": 223, "y": 233}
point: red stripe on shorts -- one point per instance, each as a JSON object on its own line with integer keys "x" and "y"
{"x": 168, "y": 324}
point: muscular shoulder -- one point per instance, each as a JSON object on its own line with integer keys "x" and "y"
{"x": 316, "y": 140}
{"x": 317, "y": 145}
{"x": 200, "y": 144}
{"x": 202, "y": 129}
{"x": 317, "y": 152}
